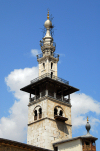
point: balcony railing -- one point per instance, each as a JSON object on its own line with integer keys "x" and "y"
{"x": 53, "y": 54}
{"x": 51, "y": 44}
{"x": 39, "y": 55}
{"x": 49, "y": 76}
{"x": 50, "y": 94}
{"x": 89, "y": 148}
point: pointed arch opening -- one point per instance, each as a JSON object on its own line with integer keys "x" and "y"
{"x": 40, "y": 113}
{"x": 61, "y": 113}
{"x": 35, "y": 115}
{"x": 51, "y": 65}
{"x": 43, "y": 65}
{"x": 51, "y": 74}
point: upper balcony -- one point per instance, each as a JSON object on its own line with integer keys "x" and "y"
{"x": 49, "y": 76}
{"x": 52, "y": 54}
{"x": 51, "y": 44}
{"x": 48, "y": 45}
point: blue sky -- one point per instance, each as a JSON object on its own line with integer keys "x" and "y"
{"x": 77, "y": 37}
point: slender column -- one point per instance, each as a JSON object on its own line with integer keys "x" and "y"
{"x": 30, "y": 97}
{"x": 46, "y": 88}
{"x": 62, "y": 98}
{"x": 54, "y": 91}
{"x": 37, "y": 114}
{"x": 40, "y": 95}
{"x": 91, "y": 145}
{"x": 35, "y": 94}
{"x": 69, "y": 98}
{"x": 40, "y": 91}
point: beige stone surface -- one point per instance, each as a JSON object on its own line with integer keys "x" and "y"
{"x": 47, "y": 60}
{"x": 42, "y": 132}
{"x": 75, "y": 145}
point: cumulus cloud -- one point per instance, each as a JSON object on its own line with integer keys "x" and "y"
{"x": 15, "y": 125}
{"x": 82, "y": 105}
{"x": 34, "y": 52}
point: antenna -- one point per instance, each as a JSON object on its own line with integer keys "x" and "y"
{"x": 43, "y": 30}
{"x": 51, "y": 29}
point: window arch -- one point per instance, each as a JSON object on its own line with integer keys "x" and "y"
{"x": 58, "y": 111}
{"x": 51, "y": 65}
{"x": 55, "y": 111}
{"x": 44, "y": 65}
{"x": 40, "y": 113}
{"x": 61, "y": 113}
{"x": 51, "y": 74}
{"x": 37, "y": 112}
{"x": 35, "y": 115}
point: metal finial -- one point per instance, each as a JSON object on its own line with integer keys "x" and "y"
{"x": 87, "y": 119}
{"x": 88, "y": 126}
{"x": 48, "y": 15}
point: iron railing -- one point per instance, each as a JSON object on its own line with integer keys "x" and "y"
{"x": 39, "y": 55}
{"x": 50, "y": 76}
{"x": 46, "y": 45}
{"x": 58, "y": 97}
{"x": 53, "y": 54}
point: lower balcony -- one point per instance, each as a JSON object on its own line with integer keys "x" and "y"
{"x": 89, "y": 148}
{"x": 50, "y": 94}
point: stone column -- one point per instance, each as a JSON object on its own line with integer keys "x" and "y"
{"x": 55, "y": 91}
{"x": 62, "y": 98}
{"x": 69, "y": 98}
{"x": 35, "y": 94}
{"x": 46, "y": 88}
{"x": 30, "y": 97}
{"x": 40, "y": 91}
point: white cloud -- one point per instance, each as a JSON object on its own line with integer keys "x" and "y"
{"x": 82, "y": 104}
{"x": 34, "y": 52}
{"x": 15, "y": 125}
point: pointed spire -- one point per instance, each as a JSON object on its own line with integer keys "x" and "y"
{"x": 87, "y": 119}
{"x": 48, "y": 15}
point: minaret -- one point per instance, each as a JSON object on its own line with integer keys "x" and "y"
{"x": 88, "y": 141}
{"x": 48, "y": 59}
{"x": 49, "y": 111}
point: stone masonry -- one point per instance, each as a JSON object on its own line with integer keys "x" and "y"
{"x": 42, "y": 132}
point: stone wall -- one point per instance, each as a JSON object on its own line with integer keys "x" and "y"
{"x": 75, "y": 145}
{"x": 47, "y": 69}
{"x": 42, "y": 132}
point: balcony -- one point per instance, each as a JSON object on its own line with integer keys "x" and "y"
{"x": 89, "y": 147}
{"x": 49, "y": 76}
{"x": 51, "y": 95}
{"x": 46, "y": 45}
{"x": 53, "y": 54}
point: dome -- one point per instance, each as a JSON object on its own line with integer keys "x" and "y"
{"x": 88, "y": 126}
{"x": 48, "y": 24}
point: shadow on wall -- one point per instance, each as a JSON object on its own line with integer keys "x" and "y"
{"x": 62, "y": 127}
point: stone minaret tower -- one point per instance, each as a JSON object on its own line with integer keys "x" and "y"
{"x": 49, "y": 111}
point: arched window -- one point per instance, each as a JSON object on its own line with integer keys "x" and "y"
{"x": 61, "y": 113}
{"x": 40, "y": 113}
{"x": 44, "y": 65}
{"x": 51, "y": 74}
{"x": 51, "y": 65}
{"x": 55, "y": 111}
{"x": 58, "y": 110}
{"x": 35, "y": 115}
